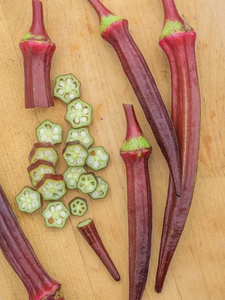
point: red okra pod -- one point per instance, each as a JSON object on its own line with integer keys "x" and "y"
{"x": 178, "y": 42}
{"x": 89, "y": 232}
{"x": 37, "y": 50}
{"x": 115, "y": 30}
{"x": 135, "y": 153}
{"x": 22, "y": 258}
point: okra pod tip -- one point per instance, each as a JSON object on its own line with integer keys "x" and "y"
{"x": 89, "y": 232}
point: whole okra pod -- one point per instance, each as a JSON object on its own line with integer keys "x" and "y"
{"x": 115, "y": 30}
{"x": 178, "y": 42}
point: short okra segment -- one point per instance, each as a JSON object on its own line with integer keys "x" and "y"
{"x": 79, "y": 113}
{"x": 87, "y": 183}
{"x": 49, "y": 132}
{"x": 78, "y": 207}
{"x": 97, "y": 158}
{"x": 80, "y": 134}
{"x": 101, "y": 190}
{"x": 38, "y": 169}
{"x": 44, "y": 151}
{"x": 71, "y": 176}
{"x": 67, "y": 88}
{"x": 55, "y": 214}
{"x": 75, "y": 154}
{"x": 52, "y": 187}
{"x": 28, "y": 200}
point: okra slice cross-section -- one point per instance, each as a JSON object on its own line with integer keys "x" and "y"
{"x": 67, "y": 88}
{"x": 44, "y": 151}
{"x": 52, "y": 187}
{"x": 38, "y": 169}
{"x": 101, "y": 190}
{"x": 28, "y": 200}
{"x": 97, "y": 158}
{"x": 75, "y": 154}
{"x": 78, "y": 207}
{"x": 49, "y": 132}
{"x": 80, "y": 134}
{"x": 79, "y": 113}
{"x": 87, "y": 183}
{"x": 55, "y": 214}
{"x": 71, "y": 176}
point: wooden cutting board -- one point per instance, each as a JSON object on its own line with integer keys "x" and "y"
{"x": 197, "y": 270}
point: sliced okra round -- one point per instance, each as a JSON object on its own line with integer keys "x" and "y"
{"x": 80, "y": 134}
{"x": 55, "y": 214}
{"x": 52, "y": 187}
{"x": 101, "y": 190}
{"x": 79, "y": 113}
{"x": 28, "y": 200}
{"x": 75, "y": 154}
{"x": 97, "y": 158}
{"x": 38, "y": 169}
{"x": 78, "y": 207}
{"x": 72, "y": 175}
{"x": 49, "y": 132}
{"x": 87, "y": 183}
{"x": 67, "y": 88}
{"x": 44, "y": 151}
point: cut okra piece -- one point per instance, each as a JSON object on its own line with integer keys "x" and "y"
{"x": 38, "y": 169}
{"x": 72, "y": 175}
{"x": 78, "y": 207}
{"x": 79, "y": 113}
{"x": 87, "y": 183}
{"x": 67, "y": 88}
{"x": 55, "y": 214}
{"x": 75, "y": 154}
{"x": 101, "y": 190}
{"x": 28, "y": 200}
{"x": 49, "y": 132}
{"x": 97, "y": 158}
{"x": 44, "y": 151}
{"x": 52, "y": 187}
{"x": 80, "y": 134}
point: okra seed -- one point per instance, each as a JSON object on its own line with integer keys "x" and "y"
{"x": 62, "y": 214}
{"x": 60, "y": 92}
{"x": 78, "y": 106}
{"x": 59, "y": 207}
{"x": 72, "y": 182}
{"x": 48, "y": 214}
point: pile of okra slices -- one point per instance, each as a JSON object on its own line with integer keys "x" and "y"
{"x": 49, "y": 186}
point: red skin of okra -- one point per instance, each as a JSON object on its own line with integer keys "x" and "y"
{"x": 37, "y": 50}
{"x": 38, "y": 163}
{"x": 49, "y": 176}
{"x": 22, "y": 258}
{"x": 180, "y": 50}
{"x": 90, "y": 233}
{"x": 145, "y": 88}
{"x": 139, "y": 206}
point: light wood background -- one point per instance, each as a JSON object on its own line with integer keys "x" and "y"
{"x": 197, "y": 270}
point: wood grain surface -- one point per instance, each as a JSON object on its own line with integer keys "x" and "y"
{"x": 197, "y": 270}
